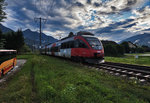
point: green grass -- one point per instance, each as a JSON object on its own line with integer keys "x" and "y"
{"x": 46, "y": 79}
{"x": 130, "y": 60}
{"x": 18, "y": 88}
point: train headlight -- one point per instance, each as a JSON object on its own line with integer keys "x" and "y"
{"x": 98, "y": 51}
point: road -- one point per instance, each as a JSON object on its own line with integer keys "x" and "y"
{"x": 20, "y": 63}
{"x": 144, "y": 55}
{"x": 147, "y": 55}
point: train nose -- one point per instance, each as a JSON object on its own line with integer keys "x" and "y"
{"x": 97, "y": 55}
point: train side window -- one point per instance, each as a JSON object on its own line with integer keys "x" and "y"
{"x": 76, "y": 43}
{"x": 61, "y": 45}
{"x": 59, "y": 48}
{"x": 67, "y": 44}
{"x": 71, "y": 44}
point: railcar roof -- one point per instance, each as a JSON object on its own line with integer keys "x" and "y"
{"x": 4, "y": 50}
{"x": 88, "y": 36}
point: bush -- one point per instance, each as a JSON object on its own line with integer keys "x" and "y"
{"x": 25, "y": 49}
{"x": 114, "y": 50}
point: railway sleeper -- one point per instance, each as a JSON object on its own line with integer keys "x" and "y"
{"x": 131, "y": 74}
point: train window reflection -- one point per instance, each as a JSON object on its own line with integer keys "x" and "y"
{"x": 94, "y": 43}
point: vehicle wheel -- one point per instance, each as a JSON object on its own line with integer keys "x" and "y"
{"x": 75, "y": 59}
{"x": 83, "y": 60}
{"x": 13, "y": 65}
{"x": 80, "y": 59}
{"x": 72, "y": 58}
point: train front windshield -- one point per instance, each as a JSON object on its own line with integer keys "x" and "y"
{"x": 94, "y": 43}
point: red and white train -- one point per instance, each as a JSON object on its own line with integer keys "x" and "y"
{"x": 83, "y": 46}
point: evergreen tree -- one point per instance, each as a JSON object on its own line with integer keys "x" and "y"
{"x": 2, "y": 13}
{"x": 19, "y": 40}
{"x": 2, "y": 40}
{"x": 14, "y": 40}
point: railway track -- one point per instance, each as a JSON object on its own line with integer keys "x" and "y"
{"x": 141, "y": 73}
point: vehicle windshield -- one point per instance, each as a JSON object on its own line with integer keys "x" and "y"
{"x": 94, "y": 43}
{"x": 4, "y": 56}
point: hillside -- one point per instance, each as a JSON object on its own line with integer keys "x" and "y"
{"x": 4, "y": 29}
{"x": 142, "y": 39}
{"x": 32, "y": 37}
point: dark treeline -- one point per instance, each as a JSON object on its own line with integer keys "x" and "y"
{"x": 113, "y": 49}
{"x": 133, "y": 48}
{"x": 13, "y": 40}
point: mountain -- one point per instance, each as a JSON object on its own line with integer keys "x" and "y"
{"x": 32, "y": 38}
{"x": 142, "y": 39}
{"x": 4, "y": 29}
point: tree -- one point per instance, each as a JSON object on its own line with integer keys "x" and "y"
{"x": 146, "y": 48}
{"x": 2, "y": 40}
{"x": 19, "y": 40}
{"x": 25, "y": 49}
{"x": 110, "y": 50}
{"x": 70, "y": 34}
{"x": 126, "y": 47}
{"x": 14, "y": 40}
{"x": 2, "y": 13}
{"x": 120, "y": 49}
{"x": 0, "y": 34}
{"x": 139, "y": 50}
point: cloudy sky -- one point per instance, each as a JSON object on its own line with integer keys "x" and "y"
{"x": 108, "y": 19}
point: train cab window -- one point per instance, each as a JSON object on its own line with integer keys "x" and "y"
{"x": 82, "y": 44}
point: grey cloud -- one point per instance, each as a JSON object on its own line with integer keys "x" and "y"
{"x": 78, "y": 4}
{"x": 97, "y": 4}
{"x": 88, "y": 1}
{"x": 113, "y": 8}
{"x": 65, "y": 15}
{"x": 131, "y": 2}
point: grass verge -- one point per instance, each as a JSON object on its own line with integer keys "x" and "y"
{"x": 46, "y": 79}
{"x": 130, "y": 60}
